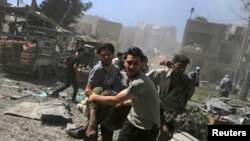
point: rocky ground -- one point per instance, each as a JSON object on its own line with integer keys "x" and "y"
{"x": 14, "y": 128}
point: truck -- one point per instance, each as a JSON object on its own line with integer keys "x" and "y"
{"x": 28, "y": 41}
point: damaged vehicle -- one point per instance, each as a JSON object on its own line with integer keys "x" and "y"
{"x": 28, "y": 42}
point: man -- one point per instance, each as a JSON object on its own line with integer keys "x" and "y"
{"x": 143, "y": 120}
{"x": 108, "y": 77}
{"x": 72, "y": 75}
{"x": 144, "y": 66}
{"x": 195, "y": 76}
{"x": 168, "y": 64}
{"x": 175, "y": 89}
{"x": 118, "y": 61}
{"x": 162, "y": 64}
{"x": 226, "y": 86}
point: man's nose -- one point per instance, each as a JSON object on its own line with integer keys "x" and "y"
{"x": 132, "y": 66}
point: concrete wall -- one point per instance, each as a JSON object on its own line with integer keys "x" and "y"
{"x": 111, "y": 30}
{"x": 213, "y": 33}
{"x": 209, "y": 36}
{"x": 150, "y": 38}
{"x": 221, "y": 48}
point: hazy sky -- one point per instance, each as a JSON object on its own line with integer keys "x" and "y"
{"x": 165, "y": 12}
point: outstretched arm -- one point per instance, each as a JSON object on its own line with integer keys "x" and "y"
{"x": 111, "y": 100}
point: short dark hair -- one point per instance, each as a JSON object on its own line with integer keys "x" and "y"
{"x": 108, "y": 46}
{"x": 135, "y": 51}
{"x": 181, "y": 58}
{"x": 80, "y": 49}
{"x": 119, "y": 54}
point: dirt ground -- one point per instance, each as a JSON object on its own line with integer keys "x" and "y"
{"x": 14, "y": 128}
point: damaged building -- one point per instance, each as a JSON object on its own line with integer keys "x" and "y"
{"x": 212, "y": 46}
{"x": 101, "y": 29}
{"x": 151, "y": 38}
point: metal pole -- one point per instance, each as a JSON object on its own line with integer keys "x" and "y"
{"x": 64, "y": 16}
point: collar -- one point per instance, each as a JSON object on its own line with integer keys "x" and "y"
{"x": 169, "y": 72}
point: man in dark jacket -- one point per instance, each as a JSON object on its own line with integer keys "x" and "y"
{"x": 71, "y": 74}
{"x": 195, "y": 76}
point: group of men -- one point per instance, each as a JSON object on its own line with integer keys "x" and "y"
{"x": 143, "y": 105}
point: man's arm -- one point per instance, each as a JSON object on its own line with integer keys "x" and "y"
{"x": 76, "y": 71}
{"x": 111, "y": 100}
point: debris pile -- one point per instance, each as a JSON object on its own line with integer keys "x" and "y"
{"x": 193, "y": 121}
{"x": 221, "y": 112}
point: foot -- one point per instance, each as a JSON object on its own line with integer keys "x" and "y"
{"x": 90, "y": 132}
{"x": 78, "y": 133}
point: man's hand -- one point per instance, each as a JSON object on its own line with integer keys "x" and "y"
{"x": 168, "y": 116}
{"x": 91, "y": 97}
{"x": 119, "y": 105}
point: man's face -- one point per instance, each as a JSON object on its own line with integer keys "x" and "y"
{"x": 106, "y": 57}
{"x": 178, "y": 68}
{"x": 81, "y": 54}
{"x": 132, "y": 65}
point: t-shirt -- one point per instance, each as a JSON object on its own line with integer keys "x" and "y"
{"x": 145, "y": 111}
{"x": 108, "y": 80}
{"x": 71, "y": 61}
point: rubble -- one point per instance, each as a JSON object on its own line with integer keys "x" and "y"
{"x": 221, "y": 112}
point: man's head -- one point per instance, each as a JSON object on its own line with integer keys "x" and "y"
{"x": 179, "y": 63}
{"x": 168, "y": 64}
{"x": 80, "y": 51}
{"x": 198, "y": 69}
{"x": 106, "y": 53}
{"x": 162, "y": 63}
{"x": 133, "y": 61}
{"x": 119, "y": 55}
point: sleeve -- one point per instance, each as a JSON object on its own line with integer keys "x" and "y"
{"x": 94, "y": 76}
{"x": 77, "y": 62}
{"x": 154, "y": 76}
{"x": 135, "y": 88}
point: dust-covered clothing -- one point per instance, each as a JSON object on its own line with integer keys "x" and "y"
{"x": 145, "y": 111}
{"x": 108, "y": 80}
{"x": 175, "y": 99}
{"x": 143, "y": 120}
{"x": 171, "y": 101}
{"x": 225, "y": 86}
{"x": 195, "y": 77}
{"x": 116, "y": 116}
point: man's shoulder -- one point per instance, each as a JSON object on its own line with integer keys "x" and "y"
{"x": 192, "y": 73}
{"x": 162, "y": 70}
{"x": 187, "y": 80}
{"x": 97, "y": 67}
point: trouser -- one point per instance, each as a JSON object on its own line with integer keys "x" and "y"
{"x": 169, "y": 123}
{"x": 107, "y": 135}
{"x": 131, "y": 133}
{"x": 69, "y": 81}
